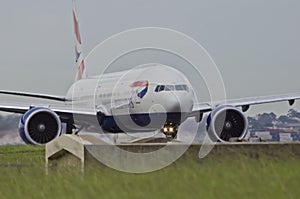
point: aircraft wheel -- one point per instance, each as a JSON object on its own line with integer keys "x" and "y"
{"x": 171, "y": 136}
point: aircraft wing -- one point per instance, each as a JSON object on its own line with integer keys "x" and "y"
{"x": 83, "y": 117}
{"x": 23, "y": 108}
{"x": 245, "y": 103}
{"x": 65, "y": 111}
{"x": 35, "y": 95}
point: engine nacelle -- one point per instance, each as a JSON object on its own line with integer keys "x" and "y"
{"x": 226, "y": 122}
{"x": 39, "y": 126}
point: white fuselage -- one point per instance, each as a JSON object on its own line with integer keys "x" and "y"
{"x": 155, "y": 89}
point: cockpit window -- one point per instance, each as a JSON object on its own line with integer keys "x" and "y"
{"x": 159, "y": 88}
{"x": 180, "y": 87}
{"x": 169, "y": 88}
{"x": 162, "y": 87}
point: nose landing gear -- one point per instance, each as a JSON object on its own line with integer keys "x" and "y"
{"x": 170, "y": 131}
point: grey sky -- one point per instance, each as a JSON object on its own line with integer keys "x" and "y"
{"x": 254, "y": 43}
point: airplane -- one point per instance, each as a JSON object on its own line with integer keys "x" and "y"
{"x": 137, "y": 100}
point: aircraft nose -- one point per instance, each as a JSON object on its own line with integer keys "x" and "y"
{"x": 179, "y": 102}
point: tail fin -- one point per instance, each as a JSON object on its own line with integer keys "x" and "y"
{"x": 78, "y": 48}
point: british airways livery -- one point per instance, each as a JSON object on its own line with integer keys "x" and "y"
{"x": 153, "y": 97}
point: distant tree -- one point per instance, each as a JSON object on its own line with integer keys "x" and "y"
{"x": 251, "y": 120}
{"x": 266, "y": 119}
{"x": 293, "y": 113}
{"x": 8, "y": 122}
{"x": 286, "y": 119}
{"x": 255, "y": 124}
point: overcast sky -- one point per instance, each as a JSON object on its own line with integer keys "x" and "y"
{"x": 254, "y": 43}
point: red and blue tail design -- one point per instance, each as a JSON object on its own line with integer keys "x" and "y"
{"x": 78, "y": 48}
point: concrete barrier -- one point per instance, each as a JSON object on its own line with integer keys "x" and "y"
{"x": 75, "y": 150}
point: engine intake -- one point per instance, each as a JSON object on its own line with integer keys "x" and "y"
{"x": 226, "y": 122}
{"x": 39, "y": 126}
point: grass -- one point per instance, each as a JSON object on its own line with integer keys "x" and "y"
{"x": 220, "y": 175}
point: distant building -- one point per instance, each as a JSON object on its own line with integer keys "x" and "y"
{"x": 276, "y": 134}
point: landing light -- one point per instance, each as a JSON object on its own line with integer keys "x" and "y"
{"x": 165, "y": 129}
{"x": 171, "y": 129}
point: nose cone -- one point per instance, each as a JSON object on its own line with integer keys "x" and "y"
{"x": 178, "y": 102}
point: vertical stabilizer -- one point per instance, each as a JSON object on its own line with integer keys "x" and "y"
{"x": 78, "y": 46}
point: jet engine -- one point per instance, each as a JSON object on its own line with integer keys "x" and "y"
{"x": 39, "y": 126}
{"x": 226, "y": 122}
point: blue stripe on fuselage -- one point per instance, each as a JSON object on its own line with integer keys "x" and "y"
{"x": 143, "y": 122}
